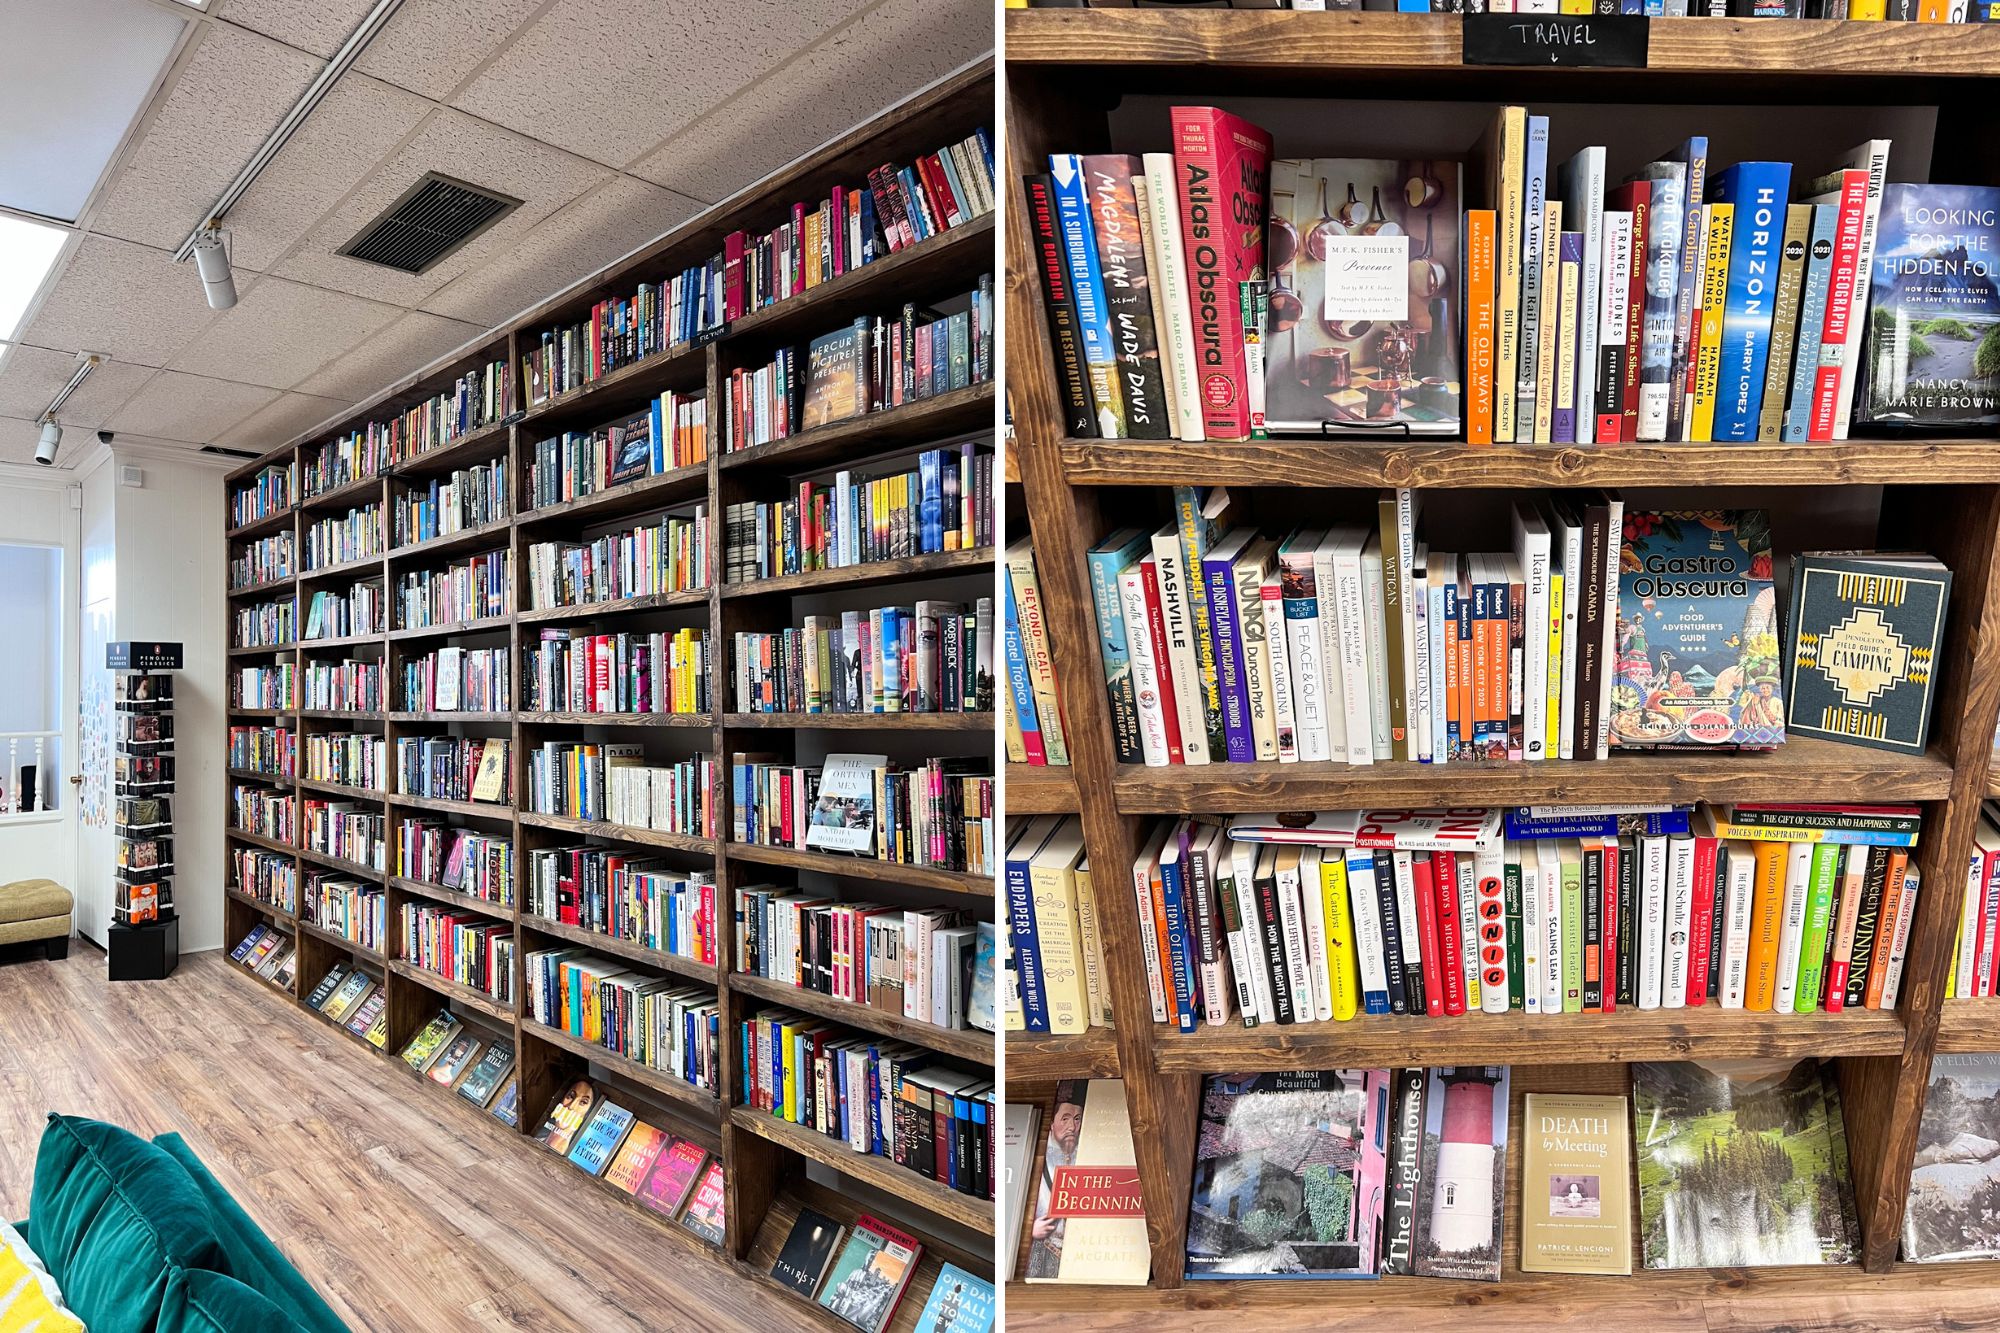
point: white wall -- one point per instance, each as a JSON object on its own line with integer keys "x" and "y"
{"x": 35, "y": 507}
{"x": 95, "y": 611}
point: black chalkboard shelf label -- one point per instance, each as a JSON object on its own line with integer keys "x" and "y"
{"x": 1585, "y": 40}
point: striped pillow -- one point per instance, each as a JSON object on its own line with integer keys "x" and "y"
{"x": 30, "y": 1302}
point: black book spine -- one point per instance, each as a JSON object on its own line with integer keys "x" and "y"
{"x": 1867, "y": 926}
{"x": 1114, "y": 208}
{"x": 1404, "y": 1169}
{"x": 1718, "y": 922}
{"x": 1590, "y": 629}
{"x": 1273, "y": 935}
{"x": 1626, "y": 990}
{"x": 1065, "y": 338}
{"x": 1392, "y": 935}
{"x": 1593, "y": 929}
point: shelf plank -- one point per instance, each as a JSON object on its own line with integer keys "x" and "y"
{"x": 965, "y": 1044}
{"x": 1969, "y": 1027}
{"x": 883, "y": 1174}
{"x": 691, "y": 968}
{"x": 367, "y": 564}
{"x": 1038, "y": 1057}
{"x": 661, "y": 490}
{"x": 977, "y": 560}
{"x": 856, "y": 867}
{"x": 341, "y": 864}
{"x": 961, "y": 411}
{"x": 237, "y": 710}
{"x": 343, "y": 714}
{"x": 645, "y": 378}
{"x": 474, "y": 446}
{"x": 459, "y": 996}
{"x": 258, "y": 905}
{"x": 654, "y": 1080}
{"x": 1800, "y": 770}
{"x": 258, "y": 840}
{"x": 438, "y": 893}
{"x": 268, "y": 585}
{"x": 450, "y": 715}
{"x": 268, "y": 779}
{"x": 486, "y": 534}
{"x": 980, "y": 723}
{"x": 340, "y": 941}
{"x": 258, "y": 527}
{"x": 1708, "y": 1033}
{"x": 659, "y": 601}
{"x": 372, "y": 794}
{"x": 689, "y": 720}
{"x": 595, "y": 828}
{"x": 348, "y": 494}
{"x": 439, "y": 805}
{"x": 1034, "y": 789}
{"x": 480, "y": 625}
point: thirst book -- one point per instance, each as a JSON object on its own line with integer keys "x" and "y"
{"x": 1576, "y": 1171}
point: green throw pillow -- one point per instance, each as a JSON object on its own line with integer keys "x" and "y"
{"x": 197, "y": 1301}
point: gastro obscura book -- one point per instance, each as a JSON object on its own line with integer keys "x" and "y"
{"x": 1866, "y": 629}
{"x": 1576, "y": 1173}
{"x": 1933, "y": 350}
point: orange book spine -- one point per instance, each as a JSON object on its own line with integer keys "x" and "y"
{"x": 1892, "y": 903}
{"x": 1158, "y": 888}
{"x": 1767, "y": 911}
{"x": 1479, "y": 326}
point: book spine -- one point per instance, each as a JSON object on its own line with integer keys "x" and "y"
{"x": 1499, "y": 986}
{"x": 1086, "y": 280}
{"x": 1303, "y": 639}
{"x": 1176, "y": 641}
{"x": 1368, "y": 944}
{"x": 1662, "y": 281}
{"x": 1614, "y": 301}
{"x": 1534, "y": 222}
{"x": 1798, "y": 892}
{"x": 1892, "y": 906}
{"x": 1219, "y": 585}
{"x": 1444, "y": 906}
{"x": 1342, "y": 961}
{"x": 1563, "y": 417}
{"x": 1510, "y": 144}
{"x": 1119, "y": 686}
{"x": 1177, "y": 333}
{"x": 1387, "y": 911}
{"x": 1127, "y": 285}
{"x": 1394, "y": 568}
{"x": 1591, "y": 875}
{"x": 1844, "y": 315}
{"x": 1590, "y": 624}
{"x": 1026, "y": 945}
{"x": 1229, "y": 906}
{"x": 1874, "y": 173}
{"x": 1701, "y": 921}
{"x": 1784, "y": 322}
{"x": 1222, "y": 179}
{"x": 1694, "y": 153}
{"x": 1571, "y": 946}
{"x": 1056, "y": 935}
{"x": 1867, "y": 927}
{"x": 1820, "y": 246}
{"x": 1423, "y": 894}
{"x": 1811, "y": 979}
{"x": 1271, "y": 933}
{"x": 1179, "y": 950}
{"x": 1906, "y": 913}
{"x": 1678, "y": 938}
{"x": 1635, "y": 316}
{"x": 1313, "y": 915}
{"x": 1163, "y": 675}
{"x": 1193, "y": 537}
{"x": 1758, "y": 192}
{"x": 1065, "y": 334}
{"x": 1479, "y": 312}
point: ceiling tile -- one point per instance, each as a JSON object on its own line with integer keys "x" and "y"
{"x": 31, "y": 376}
{"x": 236, "y": 88}
{"x": 604, "y": 225}
{"x": 320, "y": 27}
{"x": 404, "y": 347}
{"x": 272, "y": 425}
{"x": 193, "y": 408}
{"x": 543, "y": 178}
{"x": 430, "y": 47}
{"x": 571, "y": 77}
{"x": 280, "y": 333}
{"x": 873, "y": 62}
{"x": 128, "y": 301}
{"x": 18, "y": 437}
{"x": 360, "y": 121}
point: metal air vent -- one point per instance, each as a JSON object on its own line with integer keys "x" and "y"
{"x": 433, "y": 218}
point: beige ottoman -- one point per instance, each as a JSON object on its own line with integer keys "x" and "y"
{"x": 36, "y": 909}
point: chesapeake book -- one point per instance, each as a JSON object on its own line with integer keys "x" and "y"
{"x": 1932, "y": 354}
{"x": 1576, "y": 1171}
{"x": 1866, "y": 630}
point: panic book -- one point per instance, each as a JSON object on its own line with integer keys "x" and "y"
{"x": 1866, "y": 631}
{"x": 1932, "y": 354}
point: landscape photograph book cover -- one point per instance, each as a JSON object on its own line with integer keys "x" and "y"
{"x": 1954, "y": 1207}
{"x": 1932, "y": 357}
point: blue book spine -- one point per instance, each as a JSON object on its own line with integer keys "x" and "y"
{"x": 1535, "y": 180}
{"x": 1759, "y": 192}
{"x": 1104, "y": 566}
{"x": 1219, "y": 581}
{"x": 1361, "y": 864}
{"x": 868, "y": 255}
{"x": 659, "y": 460}
{"x": 1016, "y": 655}
{"x": 1027, "y": 945}
{"x": 1173, "y": 896}
{"x": 985, "y": 149}
{"x": 1812, "y": 321}
{"x": 1519, "y": 825}
{"x": 1086, "y": 280}
{"x": 930, "y": 510}
{"x": 1482, "y": 609}
{"x": 1452, "y": 628}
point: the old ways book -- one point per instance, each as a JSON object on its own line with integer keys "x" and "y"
{"x": 1576, "y": 1171}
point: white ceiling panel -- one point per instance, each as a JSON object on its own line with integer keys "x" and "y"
{"x": 129, "y": 301}
{"x": 430, "y": 46}
{"x": 280, "y": 420}
{"x": 31, "y": 376}
{"x": 360, "y": 121}
{"x": 543, "y": 178}
{"x": 236, "y": 88}
{"x": 608, "y": 79}
{"x": 190, "y": 408}
{"x": 411, "y": 343}
{"x": 73, "y": 74}
{"x": 320, "y": 27}
{"x": 281, "y": 333}
{"x": 617, "y": 218}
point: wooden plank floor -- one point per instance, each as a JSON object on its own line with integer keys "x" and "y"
{"x": 404, "y": 1214}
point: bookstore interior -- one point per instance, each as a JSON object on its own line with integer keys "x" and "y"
{"x": 1350, "y": 639}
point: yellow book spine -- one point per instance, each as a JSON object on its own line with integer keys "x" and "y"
{"x": 1343, "y": 968}
{"x": 1555, "y": 655}
{"x": 1511, "y": 143}
{"x": 1867, "y": 9}
{"x": 1576, "y": 6}
{"x": 1053, "y": 889}
{"x": 1767, "y": 922}
{"x": 1549, "y": 315}
{"x": 1090, "y": 947}
{"x": 1714, "y": 293}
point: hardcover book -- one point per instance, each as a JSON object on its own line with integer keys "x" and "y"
{"x": 843, "y": 816}
{"x": 488, "y": 1074}
{"x": 704, "y": 1215}
{"x": 1288, "y": 1176}
{"x": 1951, "y": 1213}
{"x": 801, "y": 1264}
{"x": 1362, "y": 325}
{"x": 1697, "y": 664}
{"x": 1464, "y": 1189}
{"x": 455, "y": 1060}
{"x": 506, "y": 1108}
{"x": 1932, "y": 354}
{"x": 958, "y": 1303}
{"x": 1222, "y": 164}
{"x": 566, "y": 1117}
{"x": 868, "y": 1279}
{"x": 636, "y": 1156}
{"x": 1866, "y": 630}
{"x": 1737, "y": 1166}
{"x": 1576, "y": 1171}
{"x": 431, "y": 1040}
{"x": 673, "y": 1176}
{"x": 836, "y": 376}
{"x": 1758, "y": 191}
{"x": 1090, "y": 1220}
{"x": 1404, "y": 1172}
{"x": 601, "y": 1137}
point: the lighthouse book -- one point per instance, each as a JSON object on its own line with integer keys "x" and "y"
{"x": 1576, "y": 1173}
{"x": 1464, "y": 1190}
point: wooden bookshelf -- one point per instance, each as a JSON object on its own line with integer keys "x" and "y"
{"x": 765, "y": 1164}
{"x": 1071, "y": 74}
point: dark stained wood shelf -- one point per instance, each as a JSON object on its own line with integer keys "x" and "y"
{"x": 658, "y": 601}
{"x": 692, "y": 721}
{"x": 658, "y": 1081}
{"x": 443, "y": 806}
{"x": 370, "y": 565}
{"x": 270, "y": 910}
{"x": 262, "y": 649}
{"x": 979, "y": 723}
{"x": 457, "y": 996}
{"x": 258, "y": 527}
{"x": 594, "y": 828}
{"x": 438, "y": 893}
{"x": 973, "y": 1214}
{"x": 238, "y": 710}
{"x": 284, "y": 584}
{"x": 339, "y": 863}
{"x": 857, "y": 867}
{"x": 661, "y": 490}
{"x": 269, "y": 779}
{"x": 340, "y": 641}
{"x": 486, "y": 534}
{"x": 258, "y": 840}
{"x": 636, "y": 381}
{"x": 1969, "y": 1027}
{"x": 447, "y": 715}
{"x": 343, "y": 714}
{"x": 342, "y": 789}
{"x": 872, "y": 434}
{"x": 941, "y": 564}
{"x": 631, "y": 950}
{"x": 475, "y": 446}
{"x": 1035, "y": 1057}
{"x": 479, "y": 625}
{"x": 962, "y": 1043}
{"x": 341, "y": 941}
{"x": 347, "y": 495}
{"x": 1036, "y": 789}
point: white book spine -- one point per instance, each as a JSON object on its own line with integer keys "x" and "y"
{"x": 1489, "y": 867}
{"x": 1417, "y": 594}
{"x": 1376, "y": 618}
{"x": 1239, "y": 971}
{"x": 1149, "y": 940}
{"x": 1163, "y": 202}
{"x": 1311, "y": 707}
{"x": 1409, "y": 933}
{"x": 1552, "y": 929}
{"x": 1468, "y": 933}
{"x": 1312, "y": 892}
{"x": 1872, "y": 157}
{"x": 1352, "y": 632}
{"x": 1256, "y": 655}
{"x": 1798, "y": 877}
{"x": 1145, "y": 667}
{"x": 1736, "y": 936}
{"x": 1530, "y": 961}
{"x": 1440, "y": 750}
{"x": 1291, "y": 911}
{"x": 1243, "y": 856}
{"x": 1652, "y": 919}
{"x": 1534, "y": 556}
{"x": 1906, "y": 912}
{"x": 1589, "y": 209}
{"x": 1571, "y": 626}
{"x": 1680, "y": 919}
{"x": 1969, "y": 914}
{"x": 1277, "y": 643}
{"x": 1367, "y": 924}
{"x": 1613, "y": 547}
{"x": 1326, "y": 623}
{"x": 1179, "y": 647}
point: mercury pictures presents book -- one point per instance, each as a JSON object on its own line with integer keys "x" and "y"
{"x": 1866, "y": 631}
{"x": 1090, "y": 1219}
{"x": 1576, "y": 1194}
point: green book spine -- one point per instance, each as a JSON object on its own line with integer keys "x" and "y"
{"x": 1572, "y": 936}
{"x": 1819, "y": 915}
{"x": 1517, "y": 964}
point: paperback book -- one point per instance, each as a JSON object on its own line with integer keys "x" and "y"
{"x": 1932, "y": 356}
{"x": 1463, "y": 1192}
{"x": 802, "y": 1263}
{"x": 958, "y": 1303}
{"x": 867, "y": 1281}
{"x": 1954, "y": 1206}
{"x": 1090, "y": 1219}
{"x": 843, "y": 816}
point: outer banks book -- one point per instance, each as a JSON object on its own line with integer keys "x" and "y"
{"x": 1464, "y": 1190}
{"x": 958, "y": 1303}
{"x": 802, "y": 1262}
{"x": 1866, "y": 630}
{"x": 868, "y": 1279}
{"x": 1954, "y": 1207}
{"x": 705, "y": 1209}
{"x": 1697, "y": 664}
{"x": 1576, "y": 1172}
{"x": 1932, "y": 354}
{"x": 1288, "y": 1175}
{"x": 1090, "y": 1219}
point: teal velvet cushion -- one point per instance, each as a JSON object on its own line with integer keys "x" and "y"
{"x": 250, "y": 1255}
{"x": 197, "y": 1301}
{"x": 113, "y": 1216}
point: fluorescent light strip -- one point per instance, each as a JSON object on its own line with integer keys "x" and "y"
{"x": 83, "y": 368}
{"x": 28, "y": 251}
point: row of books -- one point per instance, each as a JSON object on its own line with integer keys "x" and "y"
{"x": 455, "y": 768}
{"x": 614, "y": 784}
{"x": 1034, "y": 733}
{"x": 945, "y": 503}
{"x": 264, "y": 625}
{"x": 654, "y": 1021}
{"x": 474, "y": 588}
{"x": 264, "y": 812}
{"x": 348, "y": 830}
{"x": 271, "y": 953}
{"x": 454, "y": 679}
{"x": 356, "y": 911}
{"x": 473, "y": 401}
{"x": 1973, "y": 967}
{"x": 921, "y": 964}
{"x": 353, "y": 684}
{"x": 933, "y": 657}
{"x": 262, "y": 560}
{"x": 875, "y": 364}
{"x": 478, "y": 1067}
{"x": 336, "y": 539}
{"x": 670, "y": 555}
{"x": 635, "y": 672}
{"x": 272, "y": 878}
{"x": 350, "y": 758}
{"x": 858, "y": 1274}
{"x": 272, "y": 491}
{"x": 619, "y": 331}
{"x": 469, "y": 497}
{"x": 458, "y": 859}
{"x": 1907, "y": 11}
{"x": 670, "y": 434}
{"x": 268, "y": 750}
{"x": 940, "y": 815}
{"x": 636, "y": 898}
{"x": 361, "y": 609}
{"x": 674, "y": 1177}
{"x": 881, "y": 1098}
{"x": 355, "y": 999}
{"x": 469, "y": 950}
{"x": 272, "y": 686}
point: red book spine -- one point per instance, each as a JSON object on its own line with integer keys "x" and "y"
{"x": 1839, "y": 304}
{"x": 1701, "y": 920}
{"x": 1427, "y": 930}
{"x": 952, "y": 209}
{"x": 1609, "y": 933}
{"x": 1156, "y": 622}
{"x": 1451, "y": 944}
{"x": 1989, "y": 926}
{"x": 1223, "y": 165}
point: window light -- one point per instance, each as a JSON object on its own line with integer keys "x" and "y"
{"x": 27, "y": 251}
